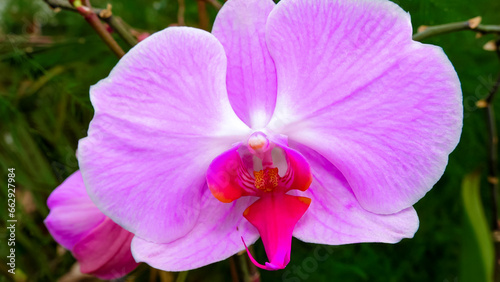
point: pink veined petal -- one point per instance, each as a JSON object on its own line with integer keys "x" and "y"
{"x": 352, "y": 85}
{"x": 105, "y": 252}
{"x": 251, "y": 75}
{"x": 161, "y": 117}
{"x": 215, "y": 237}
{"x": 335, "y": 217}
{"x": 72, "y": 213}
{"x": 275, "y": 216}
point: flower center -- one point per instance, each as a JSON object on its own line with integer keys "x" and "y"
{"x": 266, "y": 179}
{"x": 258, "y": 141}
{"x": 275, "y": 213}
{"x": 261, "y": 148}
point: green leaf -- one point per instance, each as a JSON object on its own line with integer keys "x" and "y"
{"x": 477, "y": 253}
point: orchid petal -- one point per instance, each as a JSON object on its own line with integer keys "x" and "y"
{"x": 105, "y": 252}
{"x": 298, "y": 170}
{"x": 215, "y": 237}
{"x": 275, "y": 216}
{"x": 228, "y": 178}
{"x": 251, "y": 75}
{"x": 352, "y": 85}
{"x": 72, "y": 213}
{"x": 335, "y": 217}
{"x": 161, "y": 116}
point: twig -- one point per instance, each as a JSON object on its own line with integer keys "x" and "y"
{"x": 493, "y": 171}
{"x": 180, "y": 13}
{"x": 99, "y": 28}
{"x": 233, "y": 269}
{"x": 203, "y": 15}
{"x": 242, "y": 269}
{"x": 215, "y": 3}
{"x": 253, "y": 271}
{"x": 116, "y": 23}
{"x": 182, "y": 276}
{"x": 472, "y": 24}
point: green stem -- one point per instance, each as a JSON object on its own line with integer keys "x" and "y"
{"x": 117, "y": 24}
{"x": 182, "y": 276}
{"x": 452, "y": 27}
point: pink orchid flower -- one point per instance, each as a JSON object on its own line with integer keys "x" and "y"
{"x": 101, "y": 246}
{"x": 317, "y": 119}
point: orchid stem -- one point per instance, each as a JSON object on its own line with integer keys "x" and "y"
{"x": 182, "y": 276}
{"x": 180, "y": 13}
{"x": 253, "y": 272}
{"x": 472, "y": 24}
{"x": 242, "y": 269}
{"x": 233, "y": 269}
{"x": 203, "y": 15}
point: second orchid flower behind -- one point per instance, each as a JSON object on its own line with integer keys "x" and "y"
{"x": 318, "y": 119}
{"x": 101, "y": 247}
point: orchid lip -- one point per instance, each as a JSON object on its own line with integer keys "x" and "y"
{"x": 266, "y": 266}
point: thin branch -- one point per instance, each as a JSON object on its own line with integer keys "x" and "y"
{"x": 253, "y": 271}
{"x": 215, "y": 3}
{"x": 493, "y": 153}
{"x": 182, "y": 276}
{"x": 472, "y": 24}
{"x": 116, "y": 23}
{"x": 203, "y": 15}
{"x": 65, "y": 5}
{"x": 99, "y": 28}
{"x": 242, "y": 269}
{"x": 180, "y": 13}
{"x": 493, "y": 170}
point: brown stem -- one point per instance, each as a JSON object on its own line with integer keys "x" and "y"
{"x": 215, "y": 3}
{"x": 493, "y": 172}
{"x": 96, "y": 24}
{"x": 180, "y": 13}
{"x": 253, "y": 271}
{"x": 116, "y": 23}
{"x": 203, "y": 15}
{"x": 242, "y": 269}
{"x": 233, "y": 269}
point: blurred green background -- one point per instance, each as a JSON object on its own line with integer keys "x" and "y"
{"x": 48, "y": 60}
